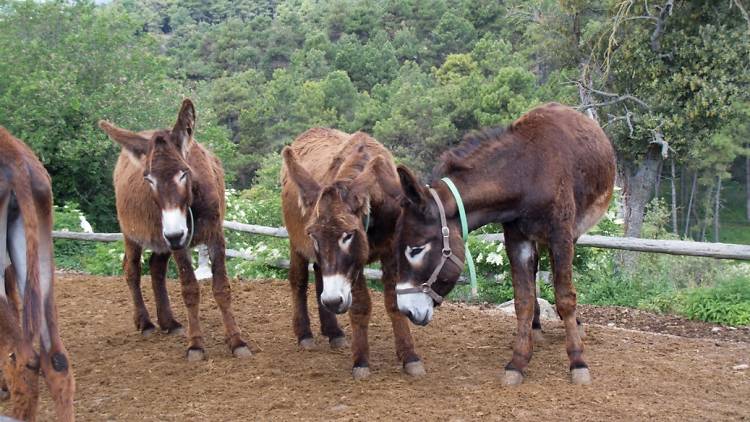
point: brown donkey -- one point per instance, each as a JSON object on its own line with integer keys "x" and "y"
{"x": 340, "y": 216}
{"x": 547, "y": 179}
{"x": 28, "y": 271}
{"x": 170, "y": 197}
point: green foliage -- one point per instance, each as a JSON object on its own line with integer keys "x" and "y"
{"x": 726, "y": 303}
{"x": 69, "y": 254}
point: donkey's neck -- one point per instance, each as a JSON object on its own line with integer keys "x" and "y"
{"x": 483, "y": 203}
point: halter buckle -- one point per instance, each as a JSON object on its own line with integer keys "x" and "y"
{"x": 447, "y": 252}
{"x": 425, "y": 288}
{"x": 446, "y": 231}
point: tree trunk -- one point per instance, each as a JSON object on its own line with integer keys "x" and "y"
{"x": 690, "y": 206}
{"x": 717, "y": 205}
{"x": 638, "y": 181}
{"x": 674, "y": 201}
{"x": 639, "y": 184}
{"x": 747, "y": 183}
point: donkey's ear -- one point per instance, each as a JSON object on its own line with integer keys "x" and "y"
{"x": 133, "y": 143}
{"x": 308, "y": 187}
{"x": 184, "y": 128}
{"x": 414, "y": 192}
{"x": 386, "y": 177}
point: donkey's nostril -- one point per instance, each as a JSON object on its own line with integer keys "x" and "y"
{"x": 333, "y": 304}
{"x": 174, "y": 239}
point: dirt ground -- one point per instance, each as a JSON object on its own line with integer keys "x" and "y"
{"x": 124, "y": 377}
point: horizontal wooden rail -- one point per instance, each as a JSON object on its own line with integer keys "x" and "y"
{"x": 672, "y": 247}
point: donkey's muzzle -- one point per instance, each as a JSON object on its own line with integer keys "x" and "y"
{"x": 176, "y": 240}
{"x": 336, "y": 305}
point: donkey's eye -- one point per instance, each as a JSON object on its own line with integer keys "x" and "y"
{"x": 415, "y": 254}
{"x": 314, "y": 242}
{"x": 183, "y": 176}
{"x": 347, "y": 237}
{"x": 150, "y": 180}
{"x": 416, "y": 251}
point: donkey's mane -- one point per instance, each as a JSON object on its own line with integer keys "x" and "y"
{"x": 475, "y": 144}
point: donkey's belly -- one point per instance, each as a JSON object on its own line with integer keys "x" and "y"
{"x": 592, "y": 214}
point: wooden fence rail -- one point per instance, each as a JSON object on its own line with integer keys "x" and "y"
{"x": 672, "y": 247}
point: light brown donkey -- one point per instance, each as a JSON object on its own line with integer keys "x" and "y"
{"x": 341, "y": 215}
{"x": 27, "y": 271}
{"x": 170, "y": 197}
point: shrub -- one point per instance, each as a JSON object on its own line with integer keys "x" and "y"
{"x": 728, "y": 302}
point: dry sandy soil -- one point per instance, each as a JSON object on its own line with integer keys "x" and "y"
{"x": 125, "y": 377}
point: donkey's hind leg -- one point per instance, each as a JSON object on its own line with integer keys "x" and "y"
{"x": 22, "y": 363}
{"x": 536, "y": 324}
{"x": 222, "y": 291}
{"x": 328, "y": 323}
{"x": 561, "y": 254}
{"x": 191, "y": 295}
{"x": 298, "y": 274}
{"x": 55, "y": 363}
{"x": 523, "y": 256}
{"x": 131, "y": 264}
{"x": 157, "y": 266}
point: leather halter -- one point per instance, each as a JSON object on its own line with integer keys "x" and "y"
{"x": 446, "y": 254}
{"x": 192, "y": 228}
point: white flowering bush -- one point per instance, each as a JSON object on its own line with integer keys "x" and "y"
{"x": 260, "y": 205}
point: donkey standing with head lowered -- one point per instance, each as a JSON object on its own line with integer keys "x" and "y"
{"x": 170, "y": 197}
{"x": 340, "y": 202}
{"x": 27, "y": 271}
{"x": 547, "y": 179}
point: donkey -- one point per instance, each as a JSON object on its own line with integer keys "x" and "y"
{"x": 26, "y": 285}
{"x": 170, "y": 196}
{"x": 340, "y": 203}
{"x": 547, "y": 179}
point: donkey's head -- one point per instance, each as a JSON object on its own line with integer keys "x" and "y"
{"x": 427, "y": 269}
{"x": 336, "y": 216}
{"x": 162, "y": 155}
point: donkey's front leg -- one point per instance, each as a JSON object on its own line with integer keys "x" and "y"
{"x": 157, "y": 265}
{"x": 329, "y": 326}
{"x": 523, "y": 255}
{"x": 411, "y": 362}
{"x": 298, "y": 274}
{"x": 131, "y": 264}
{"x": 359, "y": 314}
{"x": 223, "y": 296}
{"x": 191, "y": 295}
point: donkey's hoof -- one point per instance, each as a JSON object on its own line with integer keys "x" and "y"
{"x": 581, "y": 331}
{"x": 307, "y": 343}
{"x": 512, "y": 377}
{"x": 537, "y": 335}
{"x": 242, "y": 352}
{"x": 174, "y": 329}
{"x": 360, "y": 372}
{"x": 415, "y": 369}
{"x": 148, "y": 331}
{"x": 338, "y": 342}
{"x": 196, "y": 355}
{"x": 580, "y": 376}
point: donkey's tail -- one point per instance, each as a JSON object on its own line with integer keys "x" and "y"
{"x": 32, "y": 306}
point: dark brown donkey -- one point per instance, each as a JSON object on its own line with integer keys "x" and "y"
{"x": 547, "y": 178}
{"x": 170, "y": 197}
{"x": 27, "y": 271}
{"x": 340, "y": 217}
